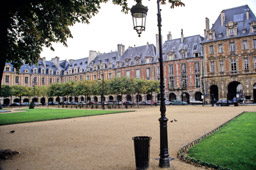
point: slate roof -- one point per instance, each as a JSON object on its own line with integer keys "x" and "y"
{"x": 190, "y": 44}
{"x": 105, "y": 58}
{"x": 238, "y": 15}
{"x": 80, "y": 64}
{"x": 141, "y": 52}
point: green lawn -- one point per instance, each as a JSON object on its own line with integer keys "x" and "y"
{"x": 39, "y": 114}
{"x": 233, "y": 146}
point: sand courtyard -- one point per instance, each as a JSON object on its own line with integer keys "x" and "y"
{"x": 105, "y": 142}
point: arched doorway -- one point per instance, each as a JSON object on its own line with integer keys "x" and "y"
{"x": 119, "y": 98}
{"x": 16, "y": 100}
{"x": 235, "y": 89}
{"x": 138, "y": 98}
{"x": 6, "y": 102}
{"x": 43, "y": 101}
{"x": 198, "y": 96}
{"x": 172, "y": 97}
{"x": 254, "y": 93}
{"x": 95, "y": 98}
{"x": 82, "y": 99}
{"x": 214, "y": 93}
{"x": 111, "y": 98}
{"x": 185, "y": 97}
{"x": 26, "y": 100}
{"x": 128, "y": 98}
{"x": 149, "y": 97}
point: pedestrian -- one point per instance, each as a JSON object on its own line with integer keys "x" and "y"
{"x": 235, "y": 101}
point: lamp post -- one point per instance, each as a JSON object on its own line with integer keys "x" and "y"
{"x": 102, "y": 93}
{"x": 139, "y": 13}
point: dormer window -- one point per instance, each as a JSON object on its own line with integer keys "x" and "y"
{"x": 57, "y": 72}
{"x": 7, "y": 68}
{"x": 171, "y": 56}
{"x": 137, "y": 60}
{"x": 127, "y": 61}
{"x": 70, "y": 71}
{"x": 231, "y": 28}
{"x": 34, "y": 70}
{"x": 253, "y": 27}
{"x": 50, "y": 72}
{"x": 231, "y": 31}
{"x": 210, "y": 36}
{"x": 183, "y": 54}
{"x": 26, "y": 71}
{"x": 43, "y": 71}
{"x": 148, "y": 60}
{"x": 110, "y": 65}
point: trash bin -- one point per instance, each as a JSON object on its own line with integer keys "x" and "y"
{"x": 142, "y": 152}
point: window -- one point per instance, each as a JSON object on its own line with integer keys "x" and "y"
{"x": 34, "y": 80}
{"x": 171, "y": 56}
{"x": 118, "y": 74}
{"x": 254, "y": 44}
{"x": 43, "y": 71}
{"x": 183, "y": 69}
{"x": 171, "y": 82}
{"x": 246, "y": 64}
{"x": 183, "y": 81}
{"x": 26, "y": 80}
{"x": 211, "y": 49}
{"x": 137, "y": 74}
{"x": 88, "y": 77}
{"x": 231, "y": 31}
{"x": 109, "y": 76}
{"x": 245, "y": 47}
{"x": 220, "y": 48}
{"x": 197, "y": 81}
{"x": 183, "y": 55}
{"x": 81, "y": 78}
{"x": 232, "y": 47}
{"x": 50, "y": 80}
{"x": 210, "y": 36}
{"x": 7, "y": 79}
{"x": 17, "y": 79}
{"x": 197, "y": 67}
{"x": 128, "y": 74}
{"x": 233, "y": 66}
{"x": 212, "y": 67}
{"x": 7, "y": 69}
{"x": 221, "y": 66}
{"x": 58, "y": 80}
{"x": 255, "y": 62}
{"x": 43, "y": 80}
{"x": 171, "y": 69}
{"x": 148, "y": 73}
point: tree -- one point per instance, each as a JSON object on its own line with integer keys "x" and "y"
{"x": 20, "y": 91}
{"x": 28, "y": 25}
{"x": 6, "y": 91}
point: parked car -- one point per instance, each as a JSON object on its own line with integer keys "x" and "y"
{"x": 195, "y": 102}
{"x": 147, "y": 102}
{"x": 128, "y": 103}
{"x": 15, "y": 104}
{"x": 91, "y": 102}
{"x": 178, "y": 102}
{"x": 25, "y": 104}
{"x": 224, "y": 102}
{"x": 167, "y": 102}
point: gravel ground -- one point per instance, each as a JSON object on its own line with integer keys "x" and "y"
{"x": 105, "y": 142}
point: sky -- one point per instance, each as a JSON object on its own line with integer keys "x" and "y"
{"x": 111, "y": 26}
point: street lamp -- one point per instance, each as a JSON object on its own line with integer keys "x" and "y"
{"x": 139, "y": 13}
{"x": 102, "y": 93}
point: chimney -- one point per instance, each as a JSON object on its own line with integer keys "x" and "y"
{"x": 169, "y": 36}
{"x": 182, "y": 36}
{"x": 247, "y": 14}
{"x": 120, "y": 49}
{"x": 92, "y": 56}
{"x": 207, "y": 26}
{"x": 222, "y": 18}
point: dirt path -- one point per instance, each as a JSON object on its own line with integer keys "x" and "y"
{"x": 105, "y": 142}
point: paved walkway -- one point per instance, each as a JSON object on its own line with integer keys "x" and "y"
{"x": 105, "y": 142}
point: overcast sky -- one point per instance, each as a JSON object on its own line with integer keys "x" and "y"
{"x": 111, "y": 27}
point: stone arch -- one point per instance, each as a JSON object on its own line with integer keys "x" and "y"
{"x": 172, "y": 96}
{"x": 214, "y": 93}
{"x": 198, "y": 96}
{"x": 185, "y": 97}
{"x": 235, "y": 89}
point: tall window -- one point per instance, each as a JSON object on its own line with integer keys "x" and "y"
{"x": 220, "y": 48}
{"x": 35, "y": 80}
{"x": 148, "y": 73}
{"x": 245, "y": 46}
{"x": 231, "y": 31}
{"x": 43, "y": 80}
{"x": 197, "y": 67}
{"x": 171, "y": 69}
{"x": 183, "y": 68}
{"x": 118, "y": 74}
{"x": 137, "y": 74}
{"x": 212, "y": 66}
{"x": 128, "y": 74}
{"x": 246, "y": 64}
{"x": 197, "y": 80}
{"x": 255, "y": 62}
{"x": 211, "y": 49}
{"x": 183, "y": 81}
{"x": 232, "y": 47}
{"x": 233, "y": 66}
{"x": 171, "y": 82}
{"x": 254, "y": 44}
{"x": 221, "y": 66}
{"x": 7, "y": 79}
{"x": 17, "y": 79}
{"x": 50, "y": 80}
{"x": 109, "y": 76}
{"x": 26, "y": 80}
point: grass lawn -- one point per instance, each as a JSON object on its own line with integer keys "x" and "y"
{"x": 39, "y": 114}
{"x": 233, "y": 146}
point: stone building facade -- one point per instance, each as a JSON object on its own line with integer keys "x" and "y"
{"x": 222, "y": 64}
